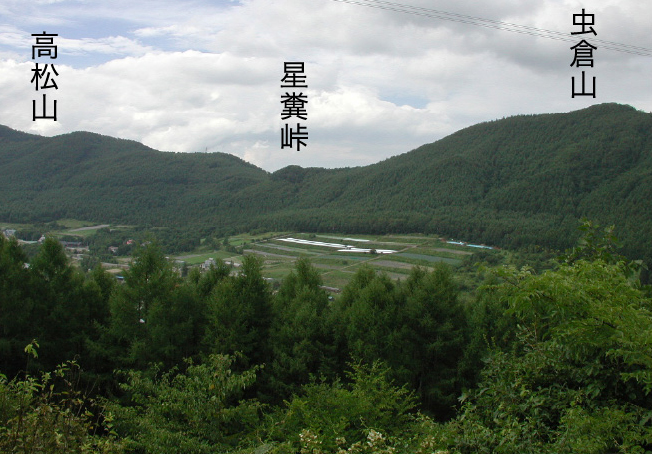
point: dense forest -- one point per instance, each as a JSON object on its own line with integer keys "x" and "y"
{"x": 517, "y": 182}
{"x": 556, "y": 361}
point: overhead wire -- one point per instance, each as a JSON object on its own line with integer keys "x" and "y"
{"x": 495, "y": 24}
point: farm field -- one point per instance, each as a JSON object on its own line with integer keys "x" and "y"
{"x": 338, "y": 257}
{"x": 335, "y": 256}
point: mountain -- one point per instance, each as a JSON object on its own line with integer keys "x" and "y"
{"x": 518, "y": 181}
{"x": 90, "y": 176}
{"x": 495, "y": 181}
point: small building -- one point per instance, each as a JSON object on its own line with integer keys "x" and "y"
{"x": 208, "y": 263}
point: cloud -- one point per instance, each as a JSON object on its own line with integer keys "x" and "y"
{"x": 197, "y": 76}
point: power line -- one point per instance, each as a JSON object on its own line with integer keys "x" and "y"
{"x": 498, "y": 25}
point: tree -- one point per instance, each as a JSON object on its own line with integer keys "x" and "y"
{"x": 176, "y": 325}
{"x": 16, "y": 305}
{"x": 148, "y": 291}
{"x": 432, "y": 338}
{"x": 417, "y": 327}
{"x": 331, "y": 415}
{"x": 207, "y": 281}
{"x": 199, "y": 410}
{"x": 367, "y": 314}
{"x": 300, "y": 336}
{"x": 239, "y": 313}
{"x": 48, "y": 414}
{"x": 579, "y": 375}
{"x": 64, "y": 305}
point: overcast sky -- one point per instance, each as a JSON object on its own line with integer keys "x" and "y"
{"x": 204, "y": 75}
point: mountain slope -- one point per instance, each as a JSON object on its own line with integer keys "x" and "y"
{"x": 506, "y": 181}
{"x": 514, "y": 182}
{"x": 89, "y": 176}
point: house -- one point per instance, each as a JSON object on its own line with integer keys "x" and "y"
{"x": 208, "y": 263}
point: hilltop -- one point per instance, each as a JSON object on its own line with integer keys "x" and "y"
{"x": 520, "y": 181}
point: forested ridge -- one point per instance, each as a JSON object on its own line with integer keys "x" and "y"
{"x": 520, "y": 181}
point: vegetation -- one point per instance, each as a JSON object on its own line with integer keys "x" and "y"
{"x": 556, "y": 361}
{"x": 515, "y": 183}
{"x": 48, "y": 414}
{"x": 510, "y": 352}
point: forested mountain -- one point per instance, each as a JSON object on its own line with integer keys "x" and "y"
{"x": 90, "y": 176}
{"x": 513, "y": 182}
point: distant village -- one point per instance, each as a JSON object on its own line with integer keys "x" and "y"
{"x": 115, "y": 258}
{"x": 72, "y": 246}
{"x": 77, "y": 249}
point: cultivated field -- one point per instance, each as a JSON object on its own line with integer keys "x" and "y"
{"x": 337, "y": 257}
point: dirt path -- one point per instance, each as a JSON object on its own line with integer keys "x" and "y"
{"x": 80, "y": 229}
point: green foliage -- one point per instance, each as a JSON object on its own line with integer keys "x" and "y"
{"x": 577, "y": 378}
{"x": 15, "y": 304}
{"x": 594, "y": 310}
{"x": 432, "y": 338}
{"x": 552, "y": 362}
{"x": 376, "y": 443}
{"x": 301, "y": 340}
{"x": 198, "y": 410}
{"x": 49, "y": 301}
{"x": 416, "y": 326}
{"x": 155, "y": 317}
{"x": 50, "y": 415}
{"x": 239, "y": 313}
{"x": 207, "y": 281}
{"x": 517, "y": 182}
{"x": 595, "y": 244}
{"x": 327, "y": 413}
{"x": 598, "y": 244}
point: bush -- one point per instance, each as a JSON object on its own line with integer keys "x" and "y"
{"x": 49, "y": 415}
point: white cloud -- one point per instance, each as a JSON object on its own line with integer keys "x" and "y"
{"x": 191, "y": 76}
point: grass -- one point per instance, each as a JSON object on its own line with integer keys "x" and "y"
{"x": 74, "y": 223}
{"x": 293, "y": 253}
{"x": 336, "y": 267}
{"x": 422, "y": 259}
{"x": 12, "y": 225}
{"x": 240, "y": 239}
{"x": 337, "y": 278}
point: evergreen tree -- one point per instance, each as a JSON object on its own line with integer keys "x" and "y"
{"x": 62, "y": 316}
{"x": 300, "y": 337}
{"x": 432, "y": 338}
{"x": 148, "y": 290}
{"x": 239, "y": 314}
{"x": 16, "y": 306}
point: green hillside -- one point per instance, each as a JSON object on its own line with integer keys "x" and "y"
{"x": 517, "y": 181}
{"x": 513, "y": 182}
{"x": 89, "y": 176}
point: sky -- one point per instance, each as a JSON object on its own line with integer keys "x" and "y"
{"x": 205, "y": 75}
